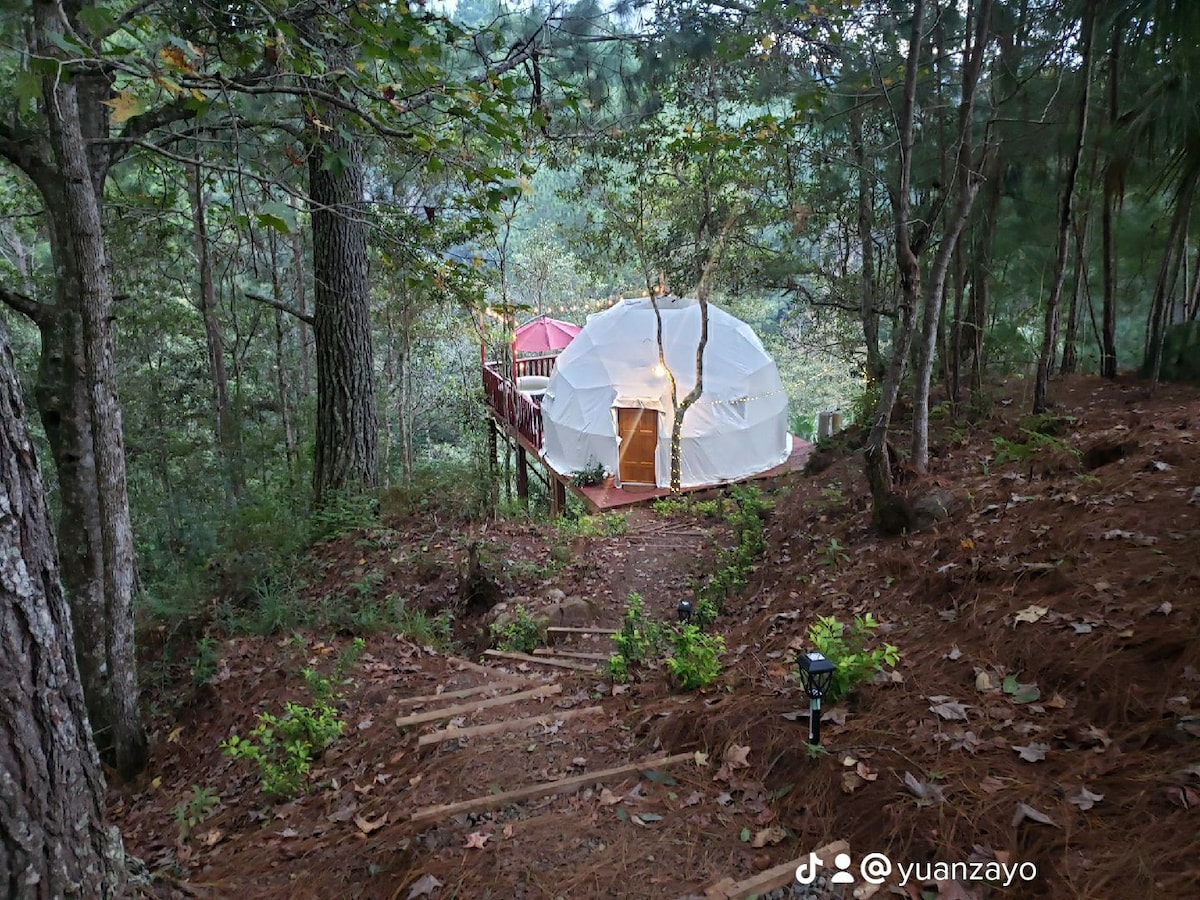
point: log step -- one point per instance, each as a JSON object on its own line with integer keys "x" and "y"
{"x": 564, "y": 785}
{"x": 449, "y": 712}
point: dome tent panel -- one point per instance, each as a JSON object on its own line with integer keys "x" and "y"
{"x": 737, "y": 427}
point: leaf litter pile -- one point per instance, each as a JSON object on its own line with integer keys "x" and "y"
{"x": 1045, "y": 708}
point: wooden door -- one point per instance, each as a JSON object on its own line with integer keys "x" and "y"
{"x": 639, "y": 444}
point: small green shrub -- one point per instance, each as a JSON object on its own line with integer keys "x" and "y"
{"x": 834, "y": 554}
{"x": 636, "y": 643}
{"x": 423, "y": 629}
{"x": 343, "y": 513}
{"x": 601, "y": 525}
{"x": 670, "y": 506}
{"x": 522, "y": 634}
{"x": 745, "y": 515}
{"x": 846, "y": 648}
{"x": 862, "y": 407}
{"x": 592, "y": 474}
{"x": 694, "y": 661}
{"x": 618, "y": 668}
{"x": 284, "y": 747}
{"x": 191, "y": 813}
{"x": 1015, "y": 451}
{"x": 204, "y": 663}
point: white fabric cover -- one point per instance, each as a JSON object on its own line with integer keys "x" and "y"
{"x": 737, "y": 428}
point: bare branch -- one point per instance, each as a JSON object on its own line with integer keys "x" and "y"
{"x": 26, "y": 306}
{"x": 282, "y": 307}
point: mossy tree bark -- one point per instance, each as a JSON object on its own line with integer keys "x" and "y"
{"x": 53, "y": 839}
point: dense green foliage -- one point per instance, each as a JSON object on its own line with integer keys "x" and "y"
{"x": 847, "y": 648}
{"x": 527, "y": 160}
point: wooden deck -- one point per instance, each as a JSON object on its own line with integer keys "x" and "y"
{"x": 520, "y": 419}
{"x": 606, "y": 497}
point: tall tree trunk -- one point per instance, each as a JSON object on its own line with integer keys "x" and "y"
{"x": 866, "y": 219}
{"x": 954, "y": 354}
{"x": 981, "y": 268}
{"x": 1070, "y": 356}
{"x": 1113, "y": 191}
{"x": 877, "y": 453}
{"x": 967, "y": 185}
{"x": 224, "y": 427}
{"x": 81, "y": 215}
{"x": 347, "y": 420}
{"x": 301, "y": 288}
{"x": 87, "y": 370}
{"x": 53, "y": 840}
{"x": 1066, "y": 215}
{"x": 1168, "y": 271}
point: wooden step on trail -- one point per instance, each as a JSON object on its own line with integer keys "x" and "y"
{"x": 570, "y": 654}
{"x": 462, "y": 664}
{"x": 449, "y": 712}
{"x": 541, "y": 660}
{"x": 567, "y": 629}
{"x": 459, "y": 693}
{"x": 451, "y": 734}
{"x": 562, "y": 786}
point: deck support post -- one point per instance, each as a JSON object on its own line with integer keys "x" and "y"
{"x": 493, "y": 451}
{"x": 558, "y": 496}
{"x": 522, "y": 476}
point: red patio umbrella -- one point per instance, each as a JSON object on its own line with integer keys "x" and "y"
{"x": 543, "y": 334}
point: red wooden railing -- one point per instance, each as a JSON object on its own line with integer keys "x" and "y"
{"x": 509, "y": 404}
{"x": 535, "y": 365}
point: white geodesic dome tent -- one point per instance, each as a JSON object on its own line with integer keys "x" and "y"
{"x": 737, "y": 428}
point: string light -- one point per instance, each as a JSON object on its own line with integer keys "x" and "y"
{"x": 746, "y": 399}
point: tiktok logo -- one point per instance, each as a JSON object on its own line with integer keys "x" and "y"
{"x": 806, "y": 872}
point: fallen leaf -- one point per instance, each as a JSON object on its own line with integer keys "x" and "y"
{"x": 476, "y": 840}
{"x": 173, "y": 737}
{"x": 701, "y": 758}
{"x": 366, "y": 826}
{"x": 925, "y": 793}
{"x": 345, "y": 814}
{"x": 954, "y": 654}
{"x": 693, "y": 799}
{"x": 608, "y": 798}
{"x": 991, "y": 784}
{"x": 835, "y": 716}
{"x": 724, "y": 798}
{"x": 1034, "y": 752}
{"x": 952, "y": 710}
{"x": 212, "y": 838}
{"x": 1025, "y": 811}
{"x": 771, "y": 836}
{"x": 1057, "y": 702}
{"x": 423, "y": 887}
{"x": 736, "y": 756}
{"x": 1030, "y": 613}
{"x": 851, "y": 782}
{"x": 864, "y": 773}
{"x": 983, "y": 682}
{"x": 1085, "y": 799}
{"x": 1082, "y": 627}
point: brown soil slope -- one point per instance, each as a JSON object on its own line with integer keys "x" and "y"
{"x": 1073, "y": 573}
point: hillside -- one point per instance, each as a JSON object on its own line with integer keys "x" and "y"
{"x": 1043, "y": 710}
